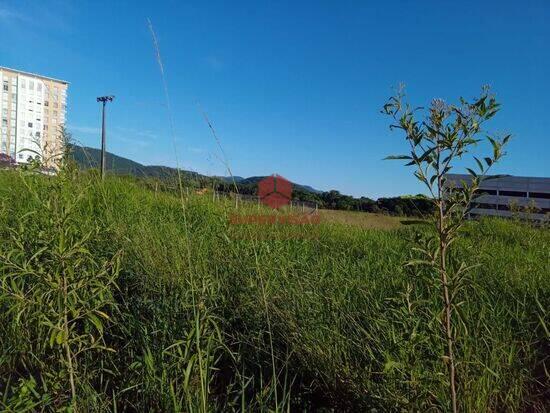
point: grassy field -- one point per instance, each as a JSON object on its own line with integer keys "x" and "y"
{"x": 365, "y": 219}
{"x": 117, "y": 298}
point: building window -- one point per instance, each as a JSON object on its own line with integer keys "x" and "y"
{"x": 5, "y": 86}
{"x": 30, "y": 125}
{"x": 513, "y": 193}
{"x": 23, "y": 84}
{"x": 541, "y": 195}
{"x": 484, "y": 206}
{"x": 31, "y": 85}
{"x": 46, "y": 103}
{"x": 482, "y": 191}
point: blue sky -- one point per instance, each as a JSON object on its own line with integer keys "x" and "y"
{"x": 291, "y": 87}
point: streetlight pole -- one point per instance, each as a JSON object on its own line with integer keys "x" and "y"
{"x": 103, "y": 100}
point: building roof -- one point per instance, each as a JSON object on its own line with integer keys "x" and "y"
{"x": 501, "y": 178}
{"x": 33, "y": 74}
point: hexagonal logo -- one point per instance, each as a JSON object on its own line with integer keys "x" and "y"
{"x": 275, "y": 191}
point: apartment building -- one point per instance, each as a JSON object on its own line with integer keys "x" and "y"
{"x": 33, "y": 109}
{"x": 508, "y": 196}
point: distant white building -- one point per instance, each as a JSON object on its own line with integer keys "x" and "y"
{"x": 32, "y": 110}
{"x": 508, "y": 196}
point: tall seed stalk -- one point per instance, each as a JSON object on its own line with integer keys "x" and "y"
{"x": 445, "y": 136}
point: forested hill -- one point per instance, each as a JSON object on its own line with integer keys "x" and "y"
{"x": 417, "y": 205}
{"x": 90, "y": 158}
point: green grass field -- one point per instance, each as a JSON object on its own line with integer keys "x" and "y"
{"x": 365, "y": 220}
{"x": 134, "y": 300}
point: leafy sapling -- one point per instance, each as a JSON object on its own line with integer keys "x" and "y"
{"x": 446, "y": 135}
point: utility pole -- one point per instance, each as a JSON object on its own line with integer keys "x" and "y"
{"x": 104, "y": 100}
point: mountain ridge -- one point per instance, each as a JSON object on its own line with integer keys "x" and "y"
{"x": 88, "y": 157}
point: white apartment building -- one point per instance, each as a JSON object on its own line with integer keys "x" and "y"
{"x": 32, "y": 112}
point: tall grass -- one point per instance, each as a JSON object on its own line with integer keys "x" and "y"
{"x": 161, "y": 316}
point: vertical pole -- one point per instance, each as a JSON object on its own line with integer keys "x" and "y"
{"x": 103, "y": 132}
{"x": 103, "y": 100}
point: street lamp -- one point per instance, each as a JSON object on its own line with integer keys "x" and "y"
{"x": 104, "y": 100}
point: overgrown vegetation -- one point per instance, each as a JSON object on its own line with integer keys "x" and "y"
{"x": 142, "y": 301}
{"x": 447, "y": 134}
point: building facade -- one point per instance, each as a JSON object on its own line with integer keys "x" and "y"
{"x": 33, "y": 112}
{"x": 508, "y": 196}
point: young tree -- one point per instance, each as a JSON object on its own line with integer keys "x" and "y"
{"x": 447, "y": 134}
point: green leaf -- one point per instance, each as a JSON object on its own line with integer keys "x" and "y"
{"x": 397, "y": 157}
{"x": 53, "y": 335}
{"x": 472, "y": 172}
{"x": 391, "y": 365}
{"x": 96, "y": 322}
{"x": 60, "y": 338}
{"x": 426, "y": 154}
{"x": 414, "y": 263}
{"x": 481, "y": 168}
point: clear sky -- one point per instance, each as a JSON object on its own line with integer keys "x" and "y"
{"x": 292, "y": 87}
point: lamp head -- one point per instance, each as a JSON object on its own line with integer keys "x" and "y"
{"x": 105, "y": 98}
